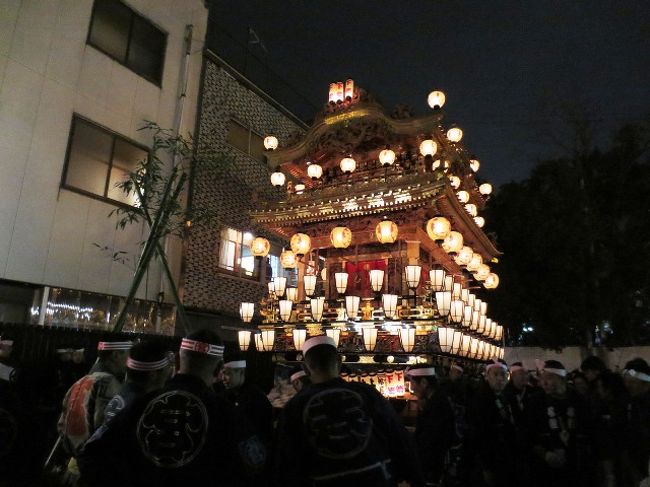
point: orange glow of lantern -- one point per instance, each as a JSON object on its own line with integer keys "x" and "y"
{"x": 386, "y": 231}
{"x": 341, "y": 237}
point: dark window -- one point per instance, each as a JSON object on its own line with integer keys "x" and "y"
{"x": 98, "y": 160}
{"x": 129, "y": 38}
{"x": 245, "y": 140}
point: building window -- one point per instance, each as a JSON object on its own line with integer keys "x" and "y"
{"x": 129, "y": 38}
{"x": 98, "y": 160}
{"x": 245, "y": 140}
{"x": 235, "y": 253}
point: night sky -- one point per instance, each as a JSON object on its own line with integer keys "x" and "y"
{"x": 507, "y": 68}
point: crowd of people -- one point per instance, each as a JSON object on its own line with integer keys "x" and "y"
{"x": 142, "y": 416}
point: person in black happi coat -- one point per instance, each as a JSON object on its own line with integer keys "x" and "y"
{"x": 636, "y": 376}
{"x": 493, "y": 430}
{"x": 247, "y": 398}
{"x": 561, "y": 440}
{"x": 434, "y": 430}
{"x": 343, "y": 434}
{"x": 183, "y": 434}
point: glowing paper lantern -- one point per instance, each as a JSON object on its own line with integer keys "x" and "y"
{"x": 491, "y": 281}
{"x": 389, "y": 303}
{"x": 369, "y": 338}
{"x": 376, "y": 279}
{"x": 348, "y": 165}
{"x": 286, "y": 307}
{"x": 316, "y": 305}
{"x": 464, "y": 255}
{"x": 314, "y": 171}
{"x": 387, "y": 157}
{"x": 260, "y": 247}
{"x": 437, "y": 277}
{"x": 300, "y": 244}
{"x": 352, "y": 306}
{"x": 485, "y": 189}
{"x": 299, "y": 337}
{"x": 278, "y": 178}
{"x": 453, "y": 243}
{"x": 407, "y": 338}
{"x": 463, "y": 196}
{"x": 438, "y": 228}
{"x": 279, "y": 285}
{"x": 246, "y": 311}
{"x": 436, "y": 99}
{"x": 341, "y": 279}
{"x": 334, "y": 334}
{"x": 454, "y": 134}
{"x": 428, "y": 147}
{"x": 386, "y": 231}
{"x": 244, "y": 338}
{"x": 341, "y": 237}
{"x": 309, "y": 282}
{"x": 288, "y": 259}
{"x": 270, "y": 142}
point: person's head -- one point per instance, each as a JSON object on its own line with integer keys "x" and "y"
{"x": 637, "y": 377}
{"x": 580, "y": 384}
{"x": 234, "y": 372}
{"x": 496, "y": 375}
{"x": 455, "y": 372}
{"x": 321, "y": 358}
{"x": 6, "y": 347}
{"x": 423, "y": 381}
{"x": 148, "y": 365}
{"x": 518, "y": 376}
{"x": 553, "y": 378}
{"x": 610, "y": 387}
{"x": 592, "y": 367}
{"x": 113, "y": 355}
{"x": 200, "y": 354}
{"x": 299, "y": 379}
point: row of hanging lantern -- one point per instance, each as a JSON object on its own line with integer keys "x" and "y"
{"x": 387, "y": 157}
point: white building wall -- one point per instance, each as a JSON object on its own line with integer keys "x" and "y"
{"x": 47, "y": 73}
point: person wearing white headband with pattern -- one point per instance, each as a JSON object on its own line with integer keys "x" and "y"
{"x": 338, "y": 433}
{"x": 182, "y": 434}
{"x": 560, "y": 432}
{"x": 248, "y": 398}
{"x": 86, "y": 400}
{"x": 493, "y": 429}
{"x": 434, "y": 428}
{"x": 299, "y": 379}
{"x": 636, "y": 376}
{"x": 147, "y": 369}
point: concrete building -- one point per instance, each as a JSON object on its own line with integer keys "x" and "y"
{"x": 77, "y": 78}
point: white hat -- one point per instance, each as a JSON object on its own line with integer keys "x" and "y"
{"x": 297, "y": 375}
{"x": 496, "y": 363}
{"x": 319, "y": 340}
{"x": 421, "y": 372}
{"x": 236, "y": 364}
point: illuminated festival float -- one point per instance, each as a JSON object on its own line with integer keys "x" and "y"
{"x": 386, "y": 252}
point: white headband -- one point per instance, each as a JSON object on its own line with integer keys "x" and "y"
{"x": 146, "y": 366}
{"x": 421, "y": 372}
{"x": 202, "y": 347}
{"x": 457, "y": 367}
{"x": 114, "y": 345}
{"x": 319, "y": 340}
{"x": 7, "y": 343}
{"x": 236, "y": 364}
{"x": 642, "y": 376}
{"x": 560, "y": 372}
{"x": 6, "y": 372}
{"x": 494, "y": 364}
{"x": 297, "y": 375}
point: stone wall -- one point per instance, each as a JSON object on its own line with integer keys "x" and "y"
{"x": 571, "y": 357}
{"x": 231, "y": 191}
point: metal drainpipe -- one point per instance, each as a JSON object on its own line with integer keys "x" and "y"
{"x": 178, "y": 117}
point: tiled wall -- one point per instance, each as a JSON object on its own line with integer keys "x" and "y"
{"x": 231, "y": 192}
